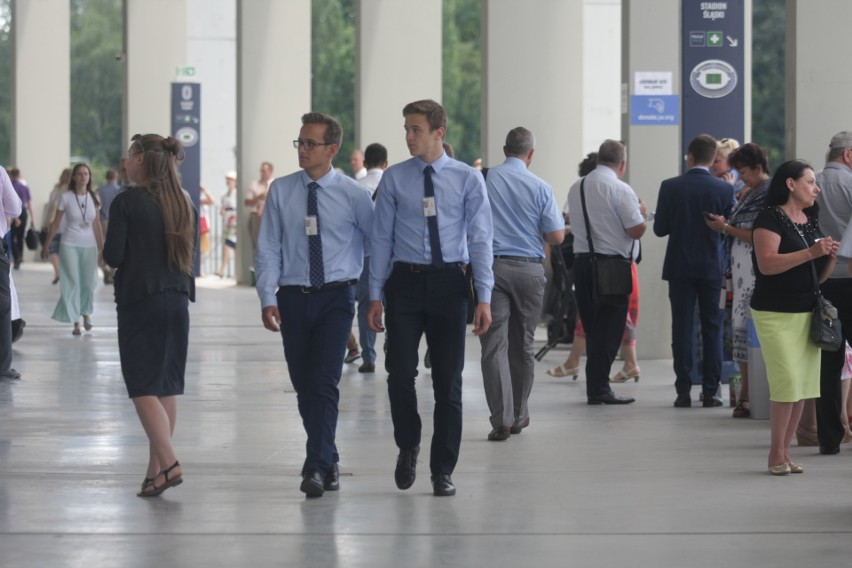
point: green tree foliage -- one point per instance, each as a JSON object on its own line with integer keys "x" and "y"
{"x": 462, "y": 77}
{"x": 96, "y": 83}
{"x": 333, "y": 63}
{"x": 5, "y": 85}
{"x": 768, "y": 20}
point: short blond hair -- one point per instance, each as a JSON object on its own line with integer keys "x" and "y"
{"x": 726, "y": 145}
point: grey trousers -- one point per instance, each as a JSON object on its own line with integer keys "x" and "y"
{"x": 508, "y": 363}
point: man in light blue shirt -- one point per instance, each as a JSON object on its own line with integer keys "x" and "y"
{"x": 523, "y": 212}
{"x": 313, "y": 235}
{"x": 432, "y": 218}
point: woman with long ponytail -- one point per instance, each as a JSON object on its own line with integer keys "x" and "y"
{"x": 151, "y": 241}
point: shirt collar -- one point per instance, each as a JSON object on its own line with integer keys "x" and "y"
{"x": 838, "y": 166}
{"x": 324, "y": 181}
{"x": 515, "y": 163}
{"x": 436, "y": 165}
{"x": 704, "y": 168}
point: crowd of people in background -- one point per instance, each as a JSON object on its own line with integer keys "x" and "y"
{"x": 429, "y": 245}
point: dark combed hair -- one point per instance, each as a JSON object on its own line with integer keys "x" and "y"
{"x": 435, "y": 114}
{"x": 375, "y": 155}
{"x": 749, "y": 155}
{"x": 72, "y": 184}
{"x": 333, "y": 131}
{"x": 161, "y": 159}
{"x": 778, "y": 193}
{"x": 703, "y": 149}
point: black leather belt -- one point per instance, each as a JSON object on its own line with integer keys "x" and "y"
{"x": 427, "y": 267}
{"x": 596, "y": 255}
{"x": 534, "y": 259}
{"x": 323, "y": 288}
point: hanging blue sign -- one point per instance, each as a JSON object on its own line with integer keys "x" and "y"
{"x": 186, "y": 127}
{"x": 713, "y": 60}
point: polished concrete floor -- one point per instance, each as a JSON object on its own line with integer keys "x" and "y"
{"x": 642, "y": 485}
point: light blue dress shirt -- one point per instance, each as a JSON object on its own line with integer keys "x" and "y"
{"x": 400, "y": 231}
{"x": 345, "y": 223}
{"x": 522, "y": 208}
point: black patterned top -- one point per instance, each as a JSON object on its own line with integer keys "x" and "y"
{"x": 791, "y": 291}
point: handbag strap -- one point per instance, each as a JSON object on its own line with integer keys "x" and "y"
{"x": 807, "y": 246}
{"x": 586, "y": 216}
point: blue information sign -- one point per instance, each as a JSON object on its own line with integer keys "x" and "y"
{"x": 186, "y": 127}
{"x": 654, "y": 109}
{"x": 712, "y": 69}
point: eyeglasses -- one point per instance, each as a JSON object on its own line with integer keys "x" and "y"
{"x": 309, "y": 144}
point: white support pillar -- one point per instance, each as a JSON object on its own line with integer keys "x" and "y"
{"x": 818, "y": 82}
{"x": 398, "y": 61}
{"x": 41, "y": 100}
{"x": 532, "y": 71}
{"x": 273, "y": 92}
{"x": 154, "y": 49}
{"x": 651, "y": 42}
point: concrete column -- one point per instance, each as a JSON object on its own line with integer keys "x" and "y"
{"x": 273, "y": 92}
{"x": 818, "y": 80}
{"x": 41, "y": 100}
{"x": 154, "y": 49}
{"x": 398, "y": 51}
{"x": 532, "y": 71}
{"x": 651, "y": 42}
{"x": 601, "y": 74}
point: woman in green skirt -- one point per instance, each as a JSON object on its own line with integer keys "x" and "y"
{"x": 787, "y": 240}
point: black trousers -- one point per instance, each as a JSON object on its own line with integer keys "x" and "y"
{"x": 434, "y": 303}
{"x": 604, "y": 326}
{"x": 5, "y": 313}
{"x": 830, "y": 401}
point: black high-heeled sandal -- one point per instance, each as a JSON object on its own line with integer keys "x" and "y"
{"x": 169, "y": 482}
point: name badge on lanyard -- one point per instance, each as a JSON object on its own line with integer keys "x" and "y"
{"x": 311, "y": 227}
{"x": 429, "y": 208}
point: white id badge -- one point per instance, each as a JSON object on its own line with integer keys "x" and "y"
{"x": 429, "y": 209}
{"x": 311, "y": 225}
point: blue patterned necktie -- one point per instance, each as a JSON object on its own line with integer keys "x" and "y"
{"x": 315, "y": 241}
{"x": 432, "y": 222}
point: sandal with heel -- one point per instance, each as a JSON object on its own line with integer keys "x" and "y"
{"x": 155, "y": 490}
{"x": 623, "y": 376}
{"x": 563, "y": 371}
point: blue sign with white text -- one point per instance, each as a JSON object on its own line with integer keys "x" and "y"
{"x": 713, "y": 60}
{"x": 655, "y": 110}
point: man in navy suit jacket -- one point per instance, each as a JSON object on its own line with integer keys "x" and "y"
{"x": 694, "y": 265}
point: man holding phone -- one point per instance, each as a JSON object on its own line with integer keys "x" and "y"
{"x": 694, "y": 265}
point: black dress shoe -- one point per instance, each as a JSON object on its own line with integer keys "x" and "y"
{"x": 442, "y": 485}
{"x": 516, "y": 428}
{"x": 406, "y": 467}
{"x": 367, "y": 368}
{"x": 331, "y": 482}
{"x": 683, "y": 401}
{"x": 610, "y": 398}
{"x": 711, "y": 402}
{"x": 312, "y": 485}
{"x": 829, "y": 451}
{"x": 499, "y": 434}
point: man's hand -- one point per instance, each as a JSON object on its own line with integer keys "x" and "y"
{"x": 271, "y": 318}
{"x": 374, "y": 316}
{"x": 481, "y": 318}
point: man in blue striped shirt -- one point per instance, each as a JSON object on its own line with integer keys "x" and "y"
{"x": 432, "y": 219}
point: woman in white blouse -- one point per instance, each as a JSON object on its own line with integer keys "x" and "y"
{"x": 82, "y": 244}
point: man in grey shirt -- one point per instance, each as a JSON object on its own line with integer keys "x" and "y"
{"x": 835, "y": 209}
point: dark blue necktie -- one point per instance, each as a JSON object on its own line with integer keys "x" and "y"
{"x": 315, "y": 241}
{"x": 432, "y": 221}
